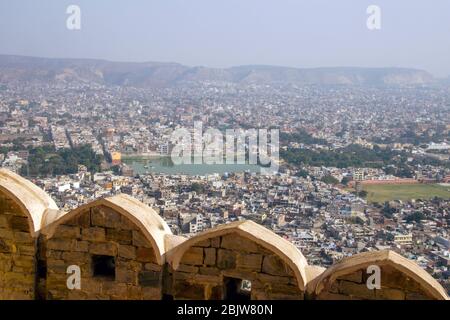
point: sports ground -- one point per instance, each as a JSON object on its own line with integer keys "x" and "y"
{"x": 387, "y": 192}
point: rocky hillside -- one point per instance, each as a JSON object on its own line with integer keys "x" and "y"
{"x": 156, "y": 74}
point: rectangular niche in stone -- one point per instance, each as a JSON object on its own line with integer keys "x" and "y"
{"x": 104, "y": 267}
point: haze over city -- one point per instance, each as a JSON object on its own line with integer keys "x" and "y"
{"x": 291, "y": 33}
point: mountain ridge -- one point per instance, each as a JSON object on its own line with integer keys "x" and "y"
{"x": 166, "y": 74}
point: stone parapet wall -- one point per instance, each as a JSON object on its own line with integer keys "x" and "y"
{"x": 394, "y": 286}
{"x": 17, "y": 252}
{"x": 124, "y": 250}
{"x": 205, "y": 267}
{"x": 101, "y": 231}
{"x": 354, "y": 278}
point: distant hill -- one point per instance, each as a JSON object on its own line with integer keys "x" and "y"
{"x": 158, "y": 74}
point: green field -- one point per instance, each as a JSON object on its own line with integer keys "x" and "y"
{"x": 388, "y": 192}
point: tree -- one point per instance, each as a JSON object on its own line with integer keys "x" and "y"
{"x": 116, "y": 170}
{"x": 330, "y": 180}
{"x": 197, "y": 187}
{"x": 416, "y": 216}
{"x": 345, "y": 180}
{"x": 302, "y": 174}
{"x": 387, "y": 211}
{"x": 363, "y": 194}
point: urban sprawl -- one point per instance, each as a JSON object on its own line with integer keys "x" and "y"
{"x": 361, "y": 168}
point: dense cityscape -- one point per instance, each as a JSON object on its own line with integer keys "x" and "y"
{"x": 361, "y": 167}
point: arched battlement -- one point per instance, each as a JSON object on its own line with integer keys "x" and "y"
{"x": 400, "y": 279}
{"x": 22, "y": 208}
{"x": 145, "y": 218}
{"x": 119, "y": 245}
{"x": 241, "y": 250}
{"x": 33, "y": 201}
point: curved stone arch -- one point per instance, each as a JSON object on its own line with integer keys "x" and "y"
{"x": 154, "y": 228}
{"x": 380, "y": 258}
{"x": 262, "y": 236}
{"x": 33, "y": 201}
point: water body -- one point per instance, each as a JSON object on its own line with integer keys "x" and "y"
{"x": 166, "y": 166}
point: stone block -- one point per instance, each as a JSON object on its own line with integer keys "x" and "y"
{"x": 54, "y": 254}
{"x": 193, "y": 256}
{"x": 356, "y": 290}
{"x": 60, "y": 244}
{"x": 84, "y": 220}
{"x": 76, "y": 295}
{"x": 23, "y": 261}
{"x": 275, "y": 266}
{"x": 210, "y": 256}
{"x": 238, "y": 243}
{"x": 152, "y": 267}
{"x": 124, "y": 275}
{"x": 93, "y": 234}
{"x": 105, "y": 217}
{"x": 210, "y": 271}
{"x": 103, "y": 248}
{"x": 139, "y": 240}
{"x": 185, "y": 290}
{"x": 27, "y": 250}
{"x": 6, "y": 234}
{"x": 129, "y": 264}
{"x": 149, "y": 293}
{"x": 145, "y": 254}
{"x": 23, "y": 237}
{"x": 356, "y": 277}
{"x": 119, "y": 236}
{"x": 416, "y": 296}
{"x": 149, "y": 279}
{"x": 266, "y": 278}
{"x": 187, "y": 268}
{"x": 5, "y": 266}
{"x": 214, "y": 292}
{"x": 74, "y": 257}
{"x": 5, "y": 246}
{"x": 4, "y": 221}
{"x": 65, "y": 231}
{"x": 19, "y": 223}
{"x": 127, "y": 224}
{"x": 282, "y": 288}
{"x": 204, "y": 243}
{"x": 389, "y": 294}
{"x": 181, "y": 276}
{"x": 207, "y": 279}
{"x": 81, "y": 246}
{"x": 18, "y": 279}
{"x": 392, "y": 278}
{"x": 215, "y": 242}
{"x": 118, "y": 290}
{"x": 24, "y": 269}
{"x": 251, "y": 262}
{"x": 134, "y": 292}
{"x": 226, "y": 259}
{"x": 127, "y": 252}
{"x": 56, "y": 266}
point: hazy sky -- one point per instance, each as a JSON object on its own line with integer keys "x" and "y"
{"x": 221, "y": 33}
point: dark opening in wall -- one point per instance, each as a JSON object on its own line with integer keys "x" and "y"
{"x": 42, "y": 269}
{"x": 237, "y": 289}
{"x": 104, "y": 267}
